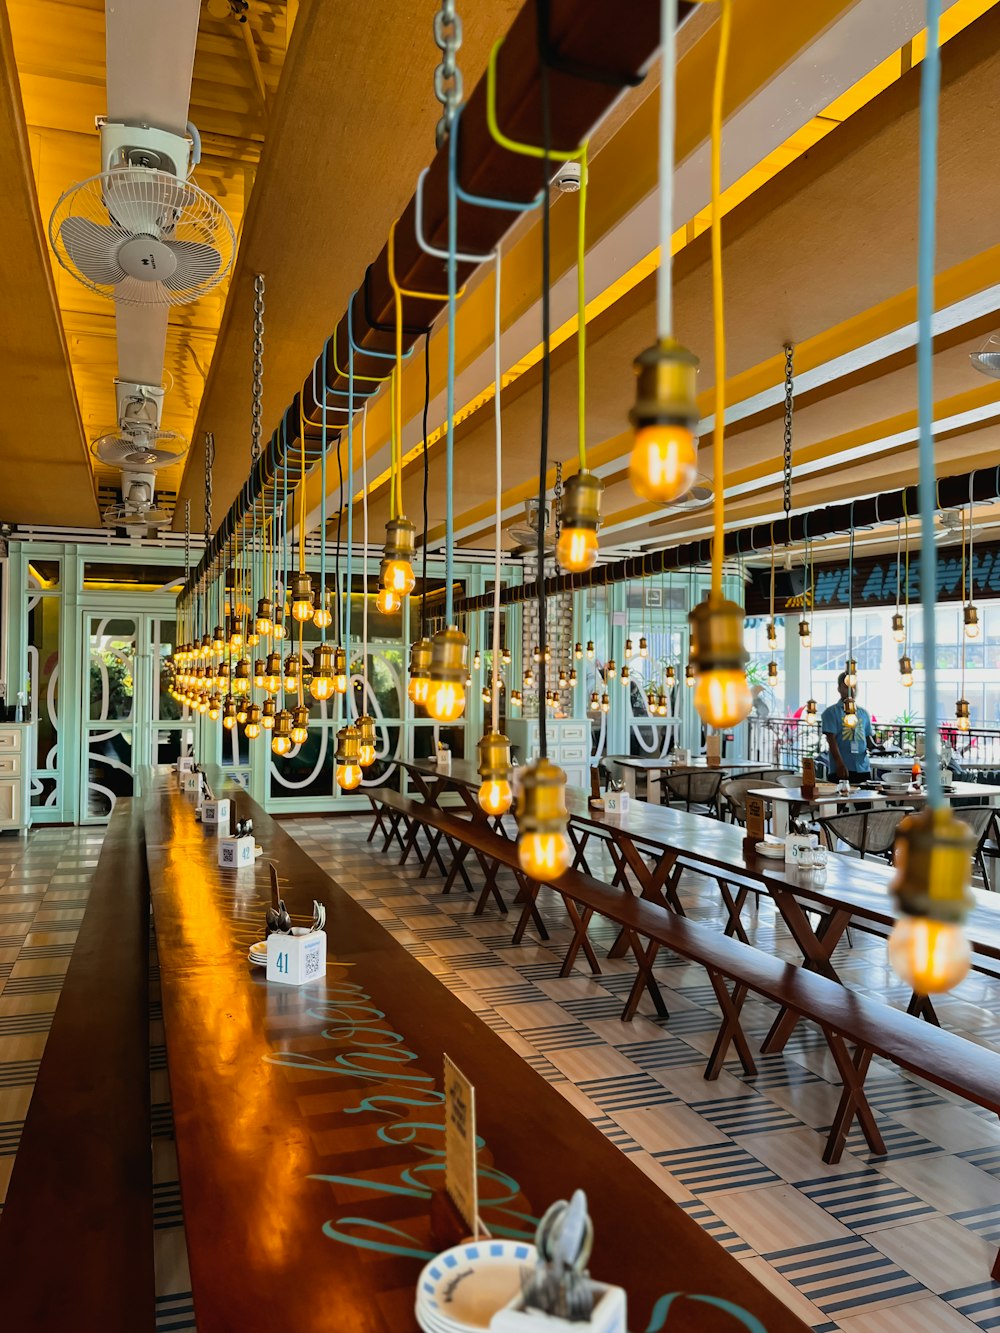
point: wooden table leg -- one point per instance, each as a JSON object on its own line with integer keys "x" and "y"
{"x": 734, "y": 906}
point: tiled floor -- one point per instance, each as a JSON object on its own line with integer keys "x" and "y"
{"x": 902, "y": 1244}
{"x": 44, "y": 886}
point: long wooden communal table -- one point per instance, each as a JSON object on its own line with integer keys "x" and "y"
{"x": 653, "y": 844}
{"x": 309, "y": 1121}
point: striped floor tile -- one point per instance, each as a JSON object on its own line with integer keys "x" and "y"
{"x": 10, "y": 1136}
{"x": 715, "y": 1167}
{"x": 175, "y": 1313}
{"x": 594, "y": 1007}
{"x": 30, "y": 951}
{"x": 899, "y": 1141}
{"x": 745, "y": 1115}
{"x": 561, "y": 1037}
{"x": 865, "y": 1199}
{"x": 18, "y": 1073}
{"x": 524, "y": 993}
{"x": 903, "y": 1096}
{"x": 719, "y": 1231}
{"x": 33, "y": 985}
{"x": 615, "y": 1133}
{"x": 157, "y": 1057}
{"x": 779, "y": 1071}
{"x": 167, "y": 1210}
{"x": 161, "y": 1120}
{"x": 23, "y": 1025}
{"x": 845, "y": 1276}
{"x": 980, "y": 1303}
{"x": 539, "y": 971}
{"x": 466, "y": 961}
{"x": 493, "y": 1020}
{"x": 546, "y": 1068}
{"x": 987, "y": 1159}
{"x": 984, "y": 1221}
{"x": 664, "y": 1053}
{"x": 626, "y": 1092}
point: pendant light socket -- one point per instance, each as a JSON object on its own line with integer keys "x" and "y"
{"x": 970, "y": 617}
{"x": 302, "y": 597}
{"x": 366, "y": 740}
{"x": 664, "y": 461}
{"x": 421, "y": 652}
{"x": 449, "y": 653}
{"x": 898, "y": 627}
{"x": 963, "y": 718}
{"x": 580, "y": 514}
{"x": 542, "y": 819}
{"x": 348, "y": 758}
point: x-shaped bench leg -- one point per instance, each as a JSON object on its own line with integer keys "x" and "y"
{"x": 580, "y": 921}
{"x": 644, "y": 980}
{"x": 490, "y": 869}
{"x": 921, "y": 1007}
{"x": 731, "y": 1031}
{"x": 853, "y": 1101}
{"x": 409, "y": 844}
{"x": 528, "y": 893}
{"x": 816, "y": 946}
{"x": 734, "y": 907}
{"x": 377, "y": 822}
{"x": 459, "y": 851}
{"x": 579, "y": 840}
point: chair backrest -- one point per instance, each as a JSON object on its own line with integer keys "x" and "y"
{"x": 735, "y": 791}
{"x": 695, "y": 786}
{"x": 780, "y": 777}
{"x": 865, "y": 831}
{"x": 979, "y": 818}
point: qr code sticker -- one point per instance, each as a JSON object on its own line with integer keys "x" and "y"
{"x": 229, "y": 854}
{"x": 312, "y": 963}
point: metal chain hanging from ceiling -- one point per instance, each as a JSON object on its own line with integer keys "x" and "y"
{"x": 448, "y": 87}
{"x": 209, "y": 464}
{"x": 258, "y": 366}
{"x": 789, "y": 403}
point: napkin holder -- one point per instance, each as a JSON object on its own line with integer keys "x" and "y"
{"x": 607, "y": 1316}
{"x": 216, "y": 810}
{"x": 295, "y": 960}
{"x": 236, "y": 853}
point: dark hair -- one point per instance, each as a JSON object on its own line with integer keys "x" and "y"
{"x": 842, "y": 679}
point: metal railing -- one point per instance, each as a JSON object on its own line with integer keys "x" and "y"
{"x": 786, "y": 741}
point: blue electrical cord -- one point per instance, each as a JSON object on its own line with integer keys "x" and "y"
{"x": 452, "y": 267}
{"x": 930, "y": 87}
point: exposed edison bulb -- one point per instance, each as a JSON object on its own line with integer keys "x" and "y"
{"x": 277, "y": 629}
{"x": 229, "y": 721}
{"x": 252, "y": 731}
{"x": 281, "y": 744}
{"x": 387, "y": 601}
{"x": 931, "y": 956}
{"x": 664, "y": 462}
{"x": 576, "y": 549}
{"x": 543, "y": 856}
{"x": 366, "y": 754}
{"x": 348, "y": 776}
{"x": 971, "y": 617}
{"x": 805, "y": 634}
{"x": 628, "y": 649}
{"x": 722, "y": 698}
{"x": 898, "y": 628}
{"x": 850, "y": 720}
{"x": 605, "y": 703}
{"x": 419, "y": 689}
{"x": 590, "y": 650}
{"x": 399, "y": 576}
{"x": 495, "y": 797}
{"x": 322, "y": 687}
{"x": 446, "y": 700}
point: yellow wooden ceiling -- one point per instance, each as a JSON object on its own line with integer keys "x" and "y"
{"x": 59, "y": 48}
{"x": 819, "y": 249}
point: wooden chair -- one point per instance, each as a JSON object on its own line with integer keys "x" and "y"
{"x": 780, "y": 777}
{"x": 697, "y": 789}
{"x": 864, "y": 831}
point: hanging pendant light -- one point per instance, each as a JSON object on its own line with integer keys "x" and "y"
{"x": 387, "y": 602}
{"x": 595, "y": 702}
{"x": 970, "y": 617}
{"x": 302, "y": 597}
{"x": 605, "y": 703}
{"x": 898, "y": 628}
{"x": 670, "y": 676}
{"x": 268, "y": 709}
{"x": 446, "y": 699}
{"x": 229, "y": 712}
{"x": 805, "y": 633}
{"x": 850, "y": 714}
{"x": 590, "y": 650}
{"x": 529, "y": 679}
{"x": 576, "y": 547}
{"x": 851, "y": 674}
{"x": 396, "y": 572}
{"x": 264, "y": 622}
{"x": 300, "y": 725}
{"x": 292, "y": 671}
{"x": 252, "y": 728}
{"x": 281, "y": 740}
{"x": 718, "y": 663}
{"x": 812, "y": 712}
{"x": 610, "y": 670}
{"x": 366, "y": 740}
{"x": 241, "y": 677}
{"x": 495, "y": 793}
{"x": 573, "y": 677}
{"x": 905, "y": 672}
{"x": 420, "y": 664}
{"x": 214, "y": 706}
{"x": 259, "y": 673}
{"x": 348, "y": 759}
{"x": 322, "y": 685}
{"x": 543, "y": 846}
{"x": 663, "y": 465}
{"x": 962, "y": 717}
{"x": 772, "y": 674}
{"x": 578, "y": 651}
{"x": 340, "y": 670}
{"x": 323, "y": 616}
{"x": 272, "y": 673}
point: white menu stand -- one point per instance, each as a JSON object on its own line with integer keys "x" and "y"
{"x": 216, "y": 810}
{"x": 235, "y": 853}
{"x": 295, "y": 960}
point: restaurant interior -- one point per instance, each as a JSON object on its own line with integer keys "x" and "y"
{"x": 500, "y": 666}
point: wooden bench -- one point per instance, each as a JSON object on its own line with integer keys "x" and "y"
{"x": 76, "y": 1234}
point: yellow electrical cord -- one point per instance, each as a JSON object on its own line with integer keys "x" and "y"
{"x": 302, "y": 489}
{"x": 555, "y": 155}
{"x": 719, "y": 432}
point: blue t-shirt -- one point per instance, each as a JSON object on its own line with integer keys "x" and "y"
{"x": 852, "y": 742}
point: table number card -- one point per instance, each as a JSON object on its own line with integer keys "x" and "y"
{"x": 191, "y": 783}
{"x": 616, "y": 803}
{"x": 460, "y": 1167}
{"x": 235, "y": 853}
{"x": 216, "y": 811}
{"x": 296, "y": 960}
{"x": 755, "y": 819}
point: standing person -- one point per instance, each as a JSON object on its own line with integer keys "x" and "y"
{"x": 848, "y": 746}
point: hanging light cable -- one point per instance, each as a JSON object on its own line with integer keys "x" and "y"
{"x": 898, "y": 624}
{"x": 664, "y": 461}
{"x": 905, "y": 662}
{"x": 543, "y": 843}
{"x": 421, "y": 649}
{"x": 722, "y": 696}
{"x": 495, "y": 793}
{"x": 928, "y": 947}
{"x": 962, "y": 714}
{"x": 365, "y": 723}
{"x": 970, "y": 615}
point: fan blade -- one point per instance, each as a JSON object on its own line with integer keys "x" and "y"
{"x": 93, "y": 249}
{"x": 196, "y": 264}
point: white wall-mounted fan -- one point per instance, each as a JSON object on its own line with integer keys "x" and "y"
{"x": 525, "y": 534}
{"x": 142, "y": 236}
{"x": 140, "y": 450}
